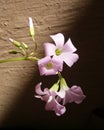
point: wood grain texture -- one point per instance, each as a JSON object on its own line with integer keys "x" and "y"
{"x": 82, "y": 21}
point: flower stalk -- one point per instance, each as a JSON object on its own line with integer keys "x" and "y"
{"x": 19, "y": 59}
{"x": 13, "y": 59}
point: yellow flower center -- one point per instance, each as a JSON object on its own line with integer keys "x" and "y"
{"x": 58, "y": 52}
{"x": 49, "y": 65}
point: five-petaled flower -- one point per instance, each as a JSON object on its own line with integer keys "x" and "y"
{"x": 50, "y": 66}
{"x": 62, "y": 51}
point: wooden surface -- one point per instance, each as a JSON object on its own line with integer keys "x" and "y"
{"x": 83, "y": 22}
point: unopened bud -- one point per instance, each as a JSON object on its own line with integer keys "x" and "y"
{"x": 13, "y": 52}
{"x": 16, "y": 43}
{"x": 25, "y": 45}
{"x": 32, "y": 32}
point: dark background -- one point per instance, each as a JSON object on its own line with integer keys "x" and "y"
{"x": 88, "y": 36}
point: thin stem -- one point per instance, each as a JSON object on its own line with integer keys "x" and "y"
{"x": 35, "y": 45}
{"x": 19, "y": 59}
{"x": 13, "y": 59}
{"x": 60, "y": 75}
{"x": 33, "y": 58}
{"x": 23, "y": 50}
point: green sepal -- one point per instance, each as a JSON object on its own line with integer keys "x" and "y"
{"x": 63, "y": 83}
{"x": 55, "y": 87}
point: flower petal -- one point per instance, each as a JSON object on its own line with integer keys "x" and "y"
{"x": 69, "y": 58}
{"x": 44, "y": 60}
{"x": 77, "y": 93}
{"x": 43, "y": 95}
{"x": 38, "y": 89}
{"x": 58, "y": 63}
{"x": 50, "y": 72}
{"x": 41, "y": 65}
{"x": 49, "y": 49}
{"x": 53, "y": 105}
{"x": 58, "y": 39}
{"x": 69, "y": 47}
{"x": 60, "y": 110}
{"x": 42, "y": 70}
{"x": 61, "y": 93}
{"x": 74, "y": 94}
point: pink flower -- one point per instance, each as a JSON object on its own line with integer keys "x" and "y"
{"x": 49, "y": 97}
{"x": 68, "y": 95}
{"x": 74, "y": 94}
{"x": 56, "y": 98}
{"x": 49, "y": 66}
{"x": 60, "y": 50}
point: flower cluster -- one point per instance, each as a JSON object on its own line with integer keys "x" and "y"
{"x": 59, "y": 94}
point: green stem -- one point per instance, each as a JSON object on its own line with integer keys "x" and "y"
{"x": 32, "y": 58}
{"x": 13, "y": 59}
{"x": 19, "y": 59}
{"x": 59, "y": 75}
{"x": 35, "y": 45}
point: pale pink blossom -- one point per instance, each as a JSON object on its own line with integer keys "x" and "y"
{"x": 74, "y": 94}
{"x": 49, "y": 66}
{"x": 56, "y": 98}
{"x": 49, "y": 97}
{"x": 68, "y": 95}
{"x": 65, "y": 52}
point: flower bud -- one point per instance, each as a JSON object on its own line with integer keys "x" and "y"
{"x": 32, "y": 32}
{"x": 25, "y": 45}
{"x": 16, "y": 43}
{"x": 13, "y": 52}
